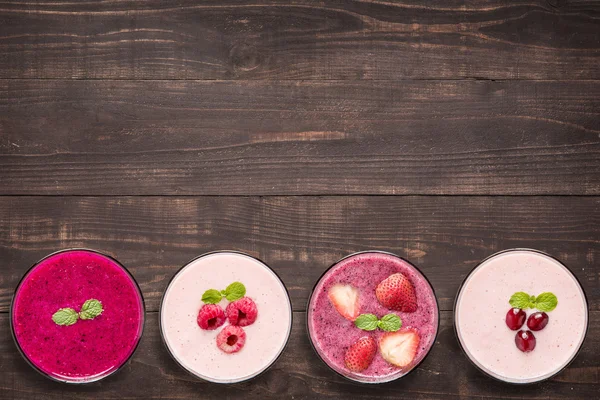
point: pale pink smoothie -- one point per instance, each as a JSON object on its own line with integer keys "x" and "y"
{"x": 87, "y": 350}
{"x": 482, "y": 305}
{"x": 196, "y": 349}
{"x": 332, "y": 334}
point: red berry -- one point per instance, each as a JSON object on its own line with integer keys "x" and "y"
{"x": 345, "y": 300}
{"x": 525, "y": 341}
{"x": 242, "y": 312}
{"x": 537, "y": 321}
{"x": 231, "y": 339}
{"x": 400, "y": 348}
{"x": 210, "y": 317}
{"x": 515, "y": 318}
{"x": 396, "y": 292}
{"x": 360, "y": 355}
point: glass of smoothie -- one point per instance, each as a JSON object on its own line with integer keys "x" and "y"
{"x": 521, "y": 316}
{"x": 372, "y": 317}
{"x": 225, "y": 317}
{"x": 77, "y": 316}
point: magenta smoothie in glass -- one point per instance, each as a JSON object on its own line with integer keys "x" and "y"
{"x": 77, "y": 316}
{"x": 372, "y": 317}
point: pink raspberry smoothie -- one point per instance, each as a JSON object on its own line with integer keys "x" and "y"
{"x": 87, "y": 350}
{"x": 199, "y": 350}
{"x": 332, "y": 334}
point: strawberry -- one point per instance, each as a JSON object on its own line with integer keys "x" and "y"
{"x": 345, "y": 300}
{"x": 397, "y": 293}
{"x": 210, "y": 317}
{"x": 399, "y": 348}
{"x": 360, "y": 355}
{"x": 231, "y": 339}
{"x": 242, "y": 312}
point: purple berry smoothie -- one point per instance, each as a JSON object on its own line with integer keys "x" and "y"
{"x": 332, "y": 334}
{"x": 89, "y": 349}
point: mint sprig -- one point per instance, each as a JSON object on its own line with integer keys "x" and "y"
{"x": 370, "y": 322}
{"x": 234, "y": 291}
{"x": 67, "y": 316}
{"x": 545, "y": 302}
{"x": 212, "y": 296}
{"x": 366, "y": 322}
{"x": 90, "y": 309}
{"x": 390, "y": 323}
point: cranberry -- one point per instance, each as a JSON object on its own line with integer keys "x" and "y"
{"x": 537, "y": 321}
{"x": 525, "y": 341}
{"x": 515, "y": 318}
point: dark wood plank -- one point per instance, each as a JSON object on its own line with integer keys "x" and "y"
{"x": 300, "y": 236}
{"x": 360, "y": 39}
{"x": 299, "y": 374}
{"x": 274, "y": 138}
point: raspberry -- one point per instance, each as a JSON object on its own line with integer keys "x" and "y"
{"x": 210, "y": 317}
{"x": 231, "y": 339}
{"x": 242, "y": 312}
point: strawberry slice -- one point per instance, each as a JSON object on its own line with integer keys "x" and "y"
{"x": 345, "y": 300}
{"x": 399, "y": 348}
{"x": 360, "y": 355}
{"x": 397, "y": 293}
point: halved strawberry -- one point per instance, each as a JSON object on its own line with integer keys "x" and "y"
{"x": 345, "y": 300}
{"x": 399, "y": 348}
{"x": 397, "y": 293}
{"x": 360, "y": 355}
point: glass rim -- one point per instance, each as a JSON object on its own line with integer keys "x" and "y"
{"x": 364, "y": 382}
{"x": 486, "y": 373}
{"x": 94, "y": 378}
{"x": 251, "y": 376}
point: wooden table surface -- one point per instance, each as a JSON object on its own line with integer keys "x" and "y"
{"x": 300, "y": 132}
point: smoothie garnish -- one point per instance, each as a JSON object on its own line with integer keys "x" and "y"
{"x": 231, "y": 339}
{"x": 370, "y": 322}
{"x": 67, "y": 316}
{"x": 537, "y": 321}
{"x": 400, "y": 348}
{"x": 545, "y": 302}
{"x": 344, "y": 298}
{"x": 90, "y": 309}
{"x": 360, "y": 355}
{"x": 242, "y": 312}
{"x": 515, "y": 318}
{"x": 210, "y": 317}
{"x": 396, "y": 292}
{"x": 233, "y": 292}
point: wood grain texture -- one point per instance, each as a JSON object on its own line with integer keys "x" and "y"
{"x": 289, "y": 138}
{"x": 299, "y": 374}
{"x": 299, "y": 237}
{"x": 300, "y": 39}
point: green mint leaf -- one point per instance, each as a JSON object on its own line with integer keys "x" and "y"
{"x": 366, "y": 322}
{"x": 65, "y": 316}
{"x": 235, "y": 291}
{"x": 91, "y": 309}
{"x": 212, "y": 296}
{"x": 520, "y": 300}
{"x": 546, "y": 302}
{"x": 390, "y": 323}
